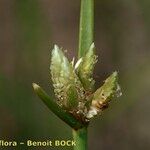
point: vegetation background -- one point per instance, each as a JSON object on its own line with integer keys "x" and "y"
{"x": 28, "y": 30}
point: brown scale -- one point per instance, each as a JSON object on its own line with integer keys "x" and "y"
{"x": 100, "y": 104}
{"x": 79, "y": 116}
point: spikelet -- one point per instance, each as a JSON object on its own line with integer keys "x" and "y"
{"x": 85, "y": 68}
{"x": 68, "y": 89}
{"x": 73, "y": 85}
{"x": 103, "y": 95}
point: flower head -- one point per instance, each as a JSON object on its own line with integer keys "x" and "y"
{"x": 73, "y": 84}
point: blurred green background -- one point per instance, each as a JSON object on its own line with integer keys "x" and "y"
{"x": 28, "y": 30}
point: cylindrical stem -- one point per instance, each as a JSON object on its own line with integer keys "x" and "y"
{"x": 85, "y": 40}
{"x": 80, "y": 137}
{"x": 86, "y": 26}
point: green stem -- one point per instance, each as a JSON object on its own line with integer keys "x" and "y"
{"x": 80, "y": 137}
{"x": 85, "y": 40}
{"x": 56, "y": 109}
{"x": 86, "y": 26}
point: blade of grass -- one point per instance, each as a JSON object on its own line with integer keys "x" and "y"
{"x": 56, "y": 109}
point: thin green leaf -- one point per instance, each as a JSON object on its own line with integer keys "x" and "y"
{"x": 56, "y": 109}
